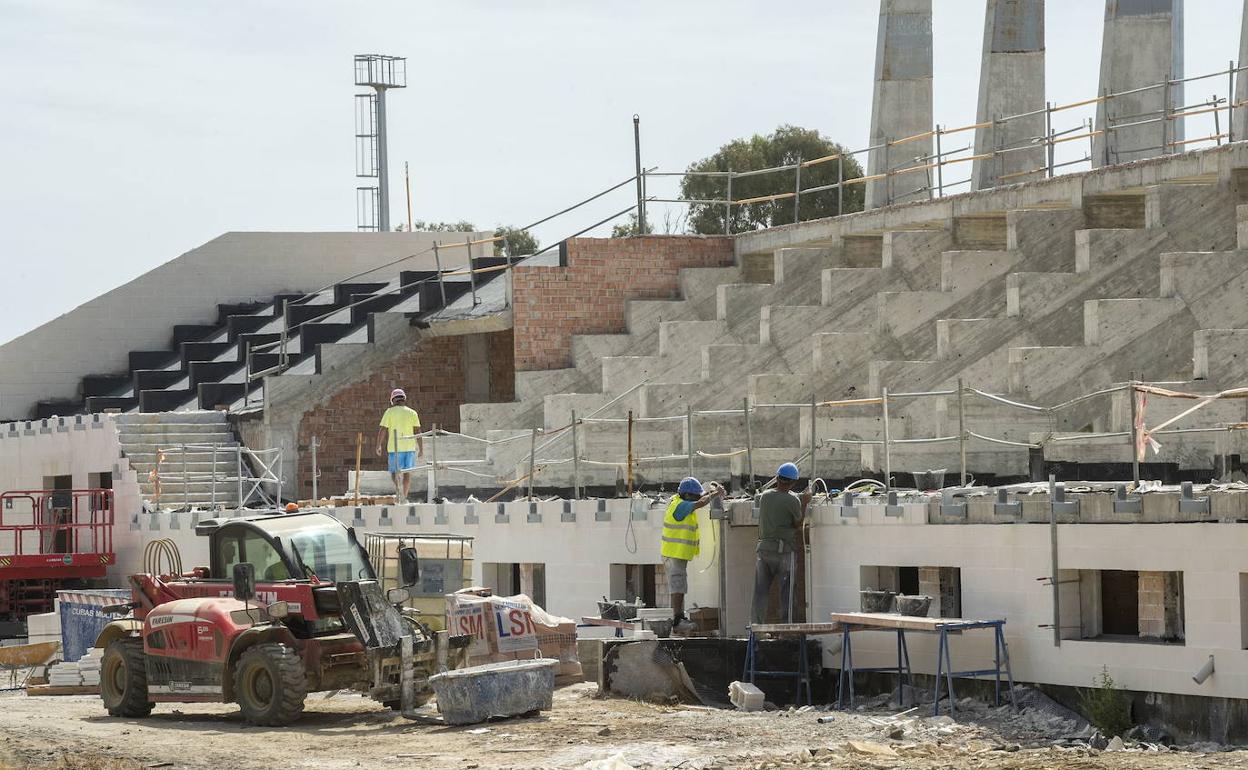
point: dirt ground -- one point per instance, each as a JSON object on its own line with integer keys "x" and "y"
{"x": 347, "y": 731}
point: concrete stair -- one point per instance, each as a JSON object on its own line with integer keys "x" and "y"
{"x": 1040, "y": 302}
{"x": 185, "y": 476}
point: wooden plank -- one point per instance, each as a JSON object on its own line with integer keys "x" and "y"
{"x": 795, "y": 629}
{"x": 47, "y": 689}
{"x": 627, "y": 624}
{"x": 890, "y": 620}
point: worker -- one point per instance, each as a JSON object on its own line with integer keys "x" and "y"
{"x": 399, "y": 424}
{"x": 292, "y": 507}
{"x": 680, "y": 542}
{"x": 780, "y": 514}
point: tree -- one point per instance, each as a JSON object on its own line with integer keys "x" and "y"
{"x": 629, "y": 228}
{"x": 516, "y": 242}
{"x": 786, "y": 145}
{"x": 462, "y": 226}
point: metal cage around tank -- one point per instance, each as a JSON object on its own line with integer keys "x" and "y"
{"x": 445, "y": 567}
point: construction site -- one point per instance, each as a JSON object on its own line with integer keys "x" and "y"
{"x": 1006, "y": 403}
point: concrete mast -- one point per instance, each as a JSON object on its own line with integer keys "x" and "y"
{"x": 1241, "y": 80}
{"x": 902, "y": 101}
{"x": 1142, "y": 45}
{"x": 1011, "y": 82}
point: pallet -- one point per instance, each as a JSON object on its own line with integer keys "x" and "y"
{"x": 347, "y": 501}
{"x": 47, "y": 689}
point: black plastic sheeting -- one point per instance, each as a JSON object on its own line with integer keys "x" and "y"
{"x": 712, "y": 664}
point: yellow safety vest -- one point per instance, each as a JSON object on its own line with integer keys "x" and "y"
{"x": 680, "y": 538}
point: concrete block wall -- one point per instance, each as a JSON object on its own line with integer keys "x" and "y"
{"x": 578, "y": 542}
{"x": 999, "y": 566}
{"x": 581, "y": 544}
{"x": 95, "y": 338}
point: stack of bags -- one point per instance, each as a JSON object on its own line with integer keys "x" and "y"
{"x": 67, "y": 675}
{"x": 89, "y": 667}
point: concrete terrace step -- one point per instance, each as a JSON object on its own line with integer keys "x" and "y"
{"x": 686, "y": 338}
{"x": 537, "y": 384}
{"x": 176, "y": 439}
{"x": 1221, "y": 356}
{"x": 136, "y": 419}
{"x": 589, "y": 349}
{"x": 834, "y": 356}
{"x": 643, "y": 316}
{"x": 166, "y": 428}
{"x": 909, "y": 255}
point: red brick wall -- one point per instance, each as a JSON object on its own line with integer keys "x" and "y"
{"x": 588, "y": 296}
{"x": 432, "y": 373}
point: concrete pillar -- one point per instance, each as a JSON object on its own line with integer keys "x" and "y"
{"x": 1241, "y": 80}
{"x": 1142, "y": 45}
{"x": 1011, "y": 82}
{"x": 902, "y": 101}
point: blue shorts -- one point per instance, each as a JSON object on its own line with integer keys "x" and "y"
{"x": 402, "y": 462}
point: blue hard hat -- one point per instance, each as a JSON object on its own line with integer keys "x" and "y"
{"x": 690, "y": 486}
{"x": 788, "y": 471}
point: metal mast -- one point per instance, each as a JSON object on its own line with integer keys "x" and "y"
{"x": 381, "y": 73}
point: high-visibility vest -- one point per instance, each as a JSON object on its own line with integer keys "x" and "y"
{"x": 680, "y": 538}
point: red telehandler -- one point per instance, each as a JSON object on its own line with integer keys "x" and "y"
{"x": 288, "y": 605}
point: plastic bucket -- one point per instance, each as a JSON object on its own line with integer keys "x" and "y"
{"x": 475, "y": 694}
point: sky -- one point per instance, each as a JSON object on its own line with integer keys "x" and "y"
{"x": 132, "y": 131}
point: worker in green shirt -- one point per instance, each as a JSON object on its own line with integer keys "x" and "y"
{"x": 780, "y": 514}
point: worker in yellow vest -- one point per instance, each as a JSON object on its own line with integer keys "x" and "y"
{"x": 680, "y": 541}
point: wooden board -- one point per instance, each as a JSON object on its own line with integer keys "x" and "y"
{"x": 795, "y": 629}
{"x": 890, "y": 620}
{"x": 609, "y": 623}
{"x": 47, "y": 689}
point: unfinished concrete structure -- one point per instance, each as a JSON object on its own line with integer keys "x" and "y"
{"x": 48, "y": 370}
{"x": 1240, "y": 123}
{"x": 640, "y": 360}
{"x": 901, "y": 104}
{"x": 1011, "y": 82}
{"x": 1142, "y": 46}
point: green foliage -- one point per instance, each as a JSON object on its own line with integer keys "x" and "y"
{"x": 516, "y": 242}
{"x": 786, "y": 145}
{"x": 1105, "y": 706}
{"x": 421, "y": 226}
{"x": 629, "y": 228}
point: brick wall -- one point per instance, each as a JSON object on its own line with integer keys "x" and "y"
{"x": 588, "y": 296}
{"x": 433, "y": 375}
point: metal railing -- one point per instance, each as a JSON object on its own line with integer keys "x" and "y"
{"x": 901, "y": 157}
{"x": 897, "y": 162}
{"x": 231, "y": 467}
{"x": 1137, "y": 438}
{"x": 281, "y": 346}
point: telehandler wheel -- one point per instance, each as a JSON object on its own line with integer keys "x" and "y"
{"x": 123, "y": 679}
{"x": 269, "y": 685}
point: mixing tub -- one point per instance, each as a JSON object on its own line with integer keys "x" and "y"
{"x": 511, "y": 688}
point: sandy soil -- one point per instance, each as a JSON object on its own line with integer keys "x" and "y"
{"x": 346, "y": 731}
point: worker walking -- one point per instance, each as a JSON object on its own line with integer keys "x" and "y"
{"x": 780, "y": 514}
{"x": 399, "y": 426}
{"x": 680, "y": 541}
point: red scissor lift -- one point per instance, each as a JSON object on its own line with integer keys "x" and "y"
{"x": 49, "y": 538}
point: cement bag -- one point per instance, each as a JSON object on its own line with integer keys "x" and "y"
{"x": 512, "y": 628}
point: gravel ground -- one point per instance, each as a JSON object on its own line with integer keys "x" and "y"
{"x": 347, "y": 731}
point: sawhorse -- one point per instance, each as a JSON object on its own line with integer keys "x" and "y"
{"x": 802, "y": 674}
